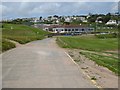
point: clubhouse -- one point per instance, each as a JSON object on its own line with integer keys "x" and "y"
{"x": 68, "y": 29}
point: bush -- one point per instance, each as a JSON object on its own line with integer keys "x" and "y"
{"x": 111, "y": 35}
{"x": 1, "y": 26}
{"x": 6, "y": 45}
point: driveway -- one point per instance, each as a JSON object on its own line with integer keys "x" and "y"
{"x": 41, "y": 64}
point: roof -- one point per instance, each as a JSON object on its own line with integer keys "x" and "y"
{"x": 66, "y": 26}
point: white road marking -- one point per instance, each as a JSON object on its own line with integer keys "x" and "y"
{"x": 93, "y": 81}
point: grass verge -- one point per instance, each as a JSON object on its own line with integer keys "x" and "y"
{"x": 6, "y": 45}
{"x": 110, "y": 62}
{"x": 86, "y": 43}
{"x": 98, "y": 45}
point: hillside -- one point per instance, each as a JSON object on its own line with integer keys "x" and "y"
{"x": 21, "y": 33}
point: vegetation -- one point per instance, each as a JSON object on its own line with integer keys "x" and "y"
{"x": 106, "y": 61}
{"x": 93, "y": 78}
{"x": 19, "y": 33}
{"x": 20, "y": 21}
{"x": 99, "y": 45}
{"x": 22, "y": 33}
{"x": 111, "y": 35}
{"x": 6, "y": 45}
{"x": 114, "y": 30}
{"x": 88, "y": 43}
{"x": 104, "y": 18}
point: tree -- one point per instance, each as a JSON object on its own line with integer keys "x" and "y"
{"x": 2, "y": 26}
{"x": 62, "y": 20}
{"x": 76, "y": 22}
{"x": 106, "y": 18}
{"x": 40, "y": 18}
{"x": 92, "y": 18}
{"x": 56, "y": 16}
{"x": 67, "y": 23}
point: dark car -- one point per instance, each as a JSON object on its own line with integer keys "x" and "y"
{"x": 50, "y": 35}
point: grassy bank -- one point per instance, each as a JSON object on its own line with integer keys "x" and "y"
{"x": 22, "y": 33}
{"x": 6, "y": 45}
{"x": 107, "y": 61}
{"x": 88, "y": 43}
{"x": 96, "y": 45}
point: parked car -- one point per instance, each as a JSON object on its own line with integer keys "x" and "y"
{"x": 50, "y": 35}
{"x": 76, "y": 33}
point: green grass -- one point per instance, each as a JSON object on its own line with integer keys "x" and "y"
{"x": 6, "y": 45}
{"x": 92, "y": 43}
{"x": 88, "y": 43}
{"x": 22, "y": 33}
{"x": 102, "y": 36}
{"x": 107, "y": 30}
{"x": 110, "y": 62}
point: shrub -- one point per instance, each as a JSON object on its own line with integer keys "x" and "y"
{"x": 111, "y": 35}
{"x": 6, "y": 45}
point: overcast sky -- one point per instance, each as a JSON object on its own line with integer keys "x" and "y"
{"x": 36, "y": 9}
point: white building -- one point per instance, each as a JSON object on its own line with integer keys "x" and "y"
{"x": 70, "y": 29}
{"x": 68, "y": 19}
{"x": 111, "y": 22}
{"x": 99, "y": 20}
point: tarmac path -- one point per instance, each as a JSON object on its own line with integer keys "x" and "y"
{"x": 41, "y": 64}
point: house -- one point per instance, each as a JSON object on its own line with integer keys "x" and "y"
{"x": 69, "y": 29}
{"x": 99, "y": 20}
{"x": 83, "y": 19}
{"x": 118, "y": 22}
{"x": 68, "y": 19}
{"x": 111, "y": 22}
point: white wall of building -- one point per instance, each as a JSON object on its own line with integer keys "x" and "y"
{"x": 111, "y": 22}
{"x": 72, "y": 30}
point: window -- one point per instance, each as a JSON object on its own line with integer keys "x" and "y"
{"x": 65, "y": 29}
{"x": 69, "y": 29}
{"x": 56, "y": 29}
{"x": 83, "y": 29}
{"x": 76, "y": 29}
{"x": 72, "y": 29}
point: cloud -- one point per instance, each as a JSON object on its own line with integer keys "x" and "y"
{"x": 4, "y": 9}
{"x": 30, "y": 9}
{"x": 50, "y": 8}
{"x": 59, "y": 0}
{"x": 114, "y": 7}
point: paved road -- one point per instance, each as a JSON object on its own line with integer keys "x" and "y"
{"x": 41, "y": 64}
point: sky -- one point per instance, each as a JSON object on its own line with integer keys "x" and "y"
{"x": 36, "y": 9}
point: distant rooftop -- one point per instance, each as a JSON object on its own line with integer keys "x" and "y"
{"x": 66, "y": 26}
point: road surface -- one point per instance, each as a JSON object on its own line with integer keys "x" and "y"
{"x": 41, "y": 64}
